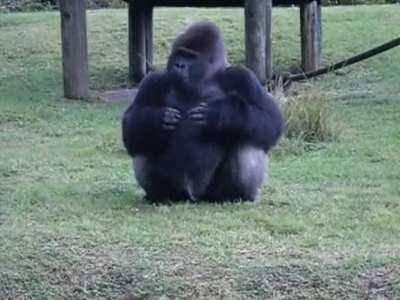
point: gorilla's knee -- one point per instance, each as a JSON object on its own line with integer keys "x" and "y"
{"x": 140, "y": 168}
{"x": 251, "y": 166}
{"x": 156, "y": 183}
{"x": 241, "y": 175}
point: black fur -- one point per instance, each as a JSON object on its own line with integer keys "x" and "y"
{"x": 201, "y": 129}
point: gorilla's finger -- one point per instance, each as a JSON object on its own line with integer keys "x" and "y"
{"x": 201, "y": 122}
{"x": 172, "y": 114}
{"x": 171, "y": 120}
{"x": 173, "y": 110}
{"x": 197, "y": 110}
{"x": 169, "y": 127}
{"x": 198, "y": 116}
{"x": 202, "y": 105}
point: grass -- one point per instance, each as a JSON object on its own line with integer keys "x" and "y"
{"x": 72, "y": 223}
{"x": 309, "y": 117}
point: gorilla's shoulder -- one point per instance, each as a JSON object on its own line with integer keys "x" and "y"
{"x": 236, "y": 78}
{"x": 154, "y": 78}
{"x": 155, "y": 81}
{"x": 239, "y": 73}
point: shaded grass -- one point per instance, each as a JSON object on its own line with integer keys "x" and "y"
{"x": 72, "y": 222}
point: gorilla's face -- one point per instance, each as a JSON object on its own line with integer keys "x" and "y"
{"x": 187, "y": 69}
{"x": 197, "y": 55}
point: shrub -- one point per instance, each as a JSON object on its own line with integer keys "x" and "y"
{"x": 32, "y": 5}
{"x": 309, "y": 120}
{"x": 308, "y": 116}
{"x": 24, "y": 5}
{"x": 355, "y": 2}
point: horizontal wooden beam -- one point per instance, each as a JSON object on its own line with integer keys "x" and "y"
{"x": 212, "y": 3}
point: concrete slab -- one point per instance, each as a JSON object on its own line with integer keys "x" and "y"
{"x": 121, "y": 95}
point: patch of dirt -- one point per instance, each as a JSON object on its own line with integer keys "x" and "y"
{"x": 377, "y": 284}
{"x": 262, "y": 253}
{"x": 121, "y": 95}
{"x": 129, "y": 273}
{"x": 339, "y": 257}
{"x": 295, "y": 281}
{"x": 10, "y": 119}
{"x": 198, "y": 276}
{"x": 332, "y": 258}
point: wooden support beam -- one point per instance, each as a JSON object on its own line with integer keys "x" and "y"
{"x": 310, "y": 35}
{"x": 213, "y": 3}
{"x": 149, "y": 38}
{"x": 198, "y": 3}
{"x": 74, "y": 49}
{"x": 137, "y": 41}
{"x": 268, "y": 41}
{"x": 255, "y": 28}
{"x": 319, "y": 19}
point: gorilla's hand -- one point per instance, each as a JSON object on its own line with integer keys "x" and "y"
{"x": 199, "y": 114}
{"x": 224, "y": 117}
{"x": 171, "y": 118}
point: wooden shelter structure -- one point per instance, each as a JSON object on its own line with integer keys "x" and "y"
{"x": 258, "y": 29}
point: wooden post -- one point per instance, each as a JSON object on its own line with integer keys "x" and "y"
{"x": 268, "y": 40}
{"x": 74, "y": 49}
{"x": 137, "y": 41}
{"x": 310, "y": 48}
{"x": 319, "y": 18}
{"x": 149, "y": 38}
{"x": 255, "y": 28}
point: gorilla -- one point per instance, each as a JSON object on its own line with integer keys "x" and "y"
{"x": 201, "y": 129}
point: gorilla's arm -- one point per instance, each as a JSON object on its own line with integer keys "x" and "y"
{"x": 247, "y": 115}
{"x": 147, "y": 123}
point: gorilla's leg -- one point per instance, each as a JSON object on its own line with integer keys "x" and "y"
{"x": 240, "y": 176}
{"x": 161, "y": 182}
{"x": 156, "y": 187}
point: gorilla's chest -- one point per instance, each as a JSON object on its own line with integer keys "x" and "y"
{"x": 183, "y": 102}
{"x": 186, "y": 101}
{"x": 187, "y": 132}
{"x": 189, "y": 142}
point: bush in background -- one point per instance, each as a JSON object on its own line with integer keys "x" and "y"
{"x": 25, "y": 5}
{"x": 34, "y": 5}
{"x": 355, "y": 2}
{"x": 309, "y": 120}
{"x": 308, "y": 116}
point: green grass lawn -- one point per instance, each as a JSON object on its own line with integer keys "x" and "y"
{"x": 72, "y": 222}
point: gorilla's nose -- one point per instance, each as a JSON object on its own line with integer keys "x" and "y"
{"x": 180, "y": 66}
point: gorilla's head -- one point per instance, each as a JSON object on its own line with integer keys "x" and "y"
{"x": 197, "y": 54}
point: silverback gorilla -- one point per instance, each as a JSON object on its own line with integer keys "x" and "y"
{"x": 201, "y": 130}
